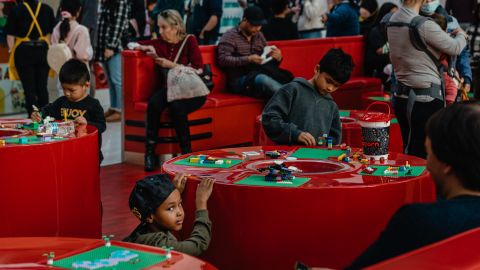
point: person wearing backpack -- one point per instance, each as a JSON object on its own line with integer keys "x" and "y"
{"x": 72, "y": 35}
{"x": 28, "y": 27}
{"x": 419, "y": 92}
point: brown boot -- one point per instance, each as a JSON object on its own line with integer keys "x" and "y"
{"x": 116, "y": 116}
{"x": 109, "y": 112}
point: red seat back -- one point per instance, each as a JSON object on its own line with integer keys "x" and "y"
{"x": 457, "y": 252}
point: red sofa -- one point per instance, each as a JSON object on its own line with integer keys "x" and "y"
{"x": 457, "y": 252}
{"x": 228, "y": 119}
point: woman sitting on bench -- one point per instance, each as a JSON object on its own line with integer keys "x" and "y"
{"x": 164, "y": 51}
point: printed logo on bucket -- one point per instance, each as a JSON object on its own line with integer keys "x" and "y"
{"x": 370, "y": 144}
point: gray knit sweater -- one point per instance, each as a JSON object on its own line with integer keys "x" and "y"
{"x": 298, "y": 107}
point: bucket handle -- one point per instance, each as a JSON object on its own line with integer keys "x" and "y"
{"x": 378, "y": 103}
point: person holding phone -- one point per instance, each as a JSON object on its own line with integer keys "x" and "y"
{"x": 164, "y": 50}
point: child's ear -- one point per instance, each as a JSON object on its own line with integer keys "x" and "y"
{"x": 87, "y": 85}
{"x": 317, "y": 69}
{"x": 150, "y": 218}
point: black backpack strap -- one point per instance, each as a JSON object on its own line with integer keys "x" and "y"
{"x": 417, "y": 40}
{"x": 420, "y": 45}
{"x": 384, "y": 24}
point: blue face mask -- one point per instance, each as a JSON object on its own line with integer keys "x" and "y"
{"x": 429, "y": 8}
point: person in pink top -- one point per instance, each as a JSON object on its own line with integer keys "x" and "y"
{"x": 75, "y": 35}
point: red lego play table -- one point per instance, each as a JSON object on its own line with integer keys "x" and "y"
{"x": 50, "y": 188}
{"x": 326, "y": 217}
{"x": 27, "y": 253}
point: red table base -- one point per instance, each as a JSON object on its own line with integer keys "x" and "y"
{"x": 327, "y": 222}
{"x": 51, "y": 189}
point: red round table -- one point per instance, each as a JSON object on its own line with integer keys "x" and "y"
{"x": 327, "y": 222}
{"x": 51, "y": 188}
{"x": 29, "y": 250}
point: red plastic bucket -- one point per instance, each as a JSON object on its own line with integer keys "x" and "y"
{"x": 375, "y": 132}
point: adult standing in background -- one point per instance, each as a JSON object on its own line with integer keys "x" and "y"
{"x": 419, "y": 89}
{"x": 310, "y": 23}
{"x": 28, "y": 28}
{"x": 343, "y": 19}
{"x": 368, "y": 15}
{"x": 204, "y": 20}
{"x": 178, "y": 5}
{"x": 280, "y": 27}
{"x": 112, "y": 34}
{"x": 376, "y": 50}
{"x": 137, "y": 19}
{"x": 89, "y": 18}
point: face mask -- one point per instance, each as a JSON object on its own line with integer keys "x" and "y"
{"x": 429, "y": 8}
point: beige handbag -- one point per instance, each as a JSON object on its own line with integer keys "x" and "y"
{"x": 184, "y": 82}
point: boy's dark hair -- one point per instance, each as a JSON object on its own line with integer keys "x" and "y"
{"x": 454, "y": 133}
{"x": 337, "y": 64}
{"x": 148, "y": 194}
{"x": 72, "y": 7}
{"x": 278, "y": 6}
{"x": 74, "y": 71}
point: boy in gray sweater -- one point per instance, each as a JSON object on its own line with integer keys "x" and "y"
{"x": 302, "y": 111}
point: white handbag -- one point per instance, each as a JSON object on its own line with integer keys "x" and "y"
{"x": 183, "y": 82}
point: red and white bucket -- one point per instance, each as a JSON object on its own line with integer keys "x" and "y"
{"x": 375, "y": 132}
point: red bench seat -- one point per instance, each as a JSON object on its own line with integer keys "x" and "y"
{"x": 228, "y": 119}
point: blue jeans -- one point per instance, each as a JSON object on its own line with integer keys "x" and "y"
{"x": 113, "y": 69}
{"x": 263, "y": 86}
{"x": 310, "y": 34}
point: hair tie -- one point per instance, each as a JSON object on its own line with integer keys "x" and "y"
{"x": 66, "y": 15}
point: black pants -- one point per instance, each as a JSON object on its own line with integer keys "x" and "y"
{"x": 420, "y": 114}
{"x": 179, "y": 110}
{"x": 32, "y": 67}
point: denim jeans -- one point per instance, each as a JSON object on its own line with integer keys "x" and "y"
{"x": 113, "y": 69}
{"x": 263, "y": 86}
{"x": 310, "y": 34}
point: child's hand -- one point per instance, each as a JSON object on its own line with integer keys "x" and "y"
{"x": 81, "y": 120}
{"x": 36, "y": 117}
{"x": 204, "y": 190}
{"x": 306, "y": 138}
{"x": 179, "y": 181}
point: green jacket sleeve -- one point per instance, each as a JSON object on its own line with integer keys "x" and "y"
{"x": 195, "y": 245}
